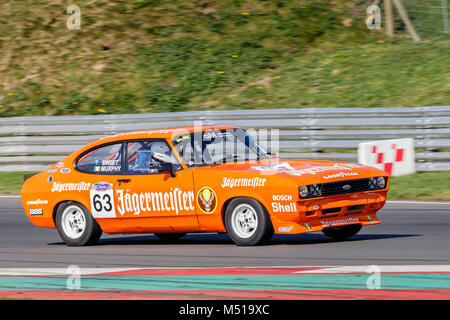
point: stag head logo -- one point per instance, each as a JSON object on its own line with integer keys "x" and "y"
{"x": 207, "y": 199}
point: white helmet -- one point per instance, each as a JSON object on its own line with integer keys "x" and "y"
{"x": 159, "y": 147}
{"x": 161, "y": 152}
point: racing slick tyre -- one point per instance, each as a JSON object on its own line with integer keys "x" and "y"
{"x": 170, "y": 236}
{"x": 342, "y": 232}
{"x": 75, "y": 225}
{"x": 247, "y": 222}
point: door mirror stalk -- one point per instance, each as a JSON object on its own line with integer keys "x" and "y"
{"x": 165, "y": 166}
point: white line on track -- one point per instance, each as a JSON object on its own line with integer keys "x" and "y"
{"x": 59, "y": 271}
{"x": 320, "y": 270}
{"x": 93, "y": 271}
{"x": 382, "y": 269}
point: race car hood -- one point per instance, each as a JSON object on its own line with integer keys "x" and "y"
{"x": 314, "y": 171}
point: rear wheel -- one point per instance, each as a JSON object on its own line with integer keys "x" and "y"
{"x": 247, "y": 222}
{"x": 342, "y": 232}
{"x": 169, "y": 236}
{"x": 75, "y": 225}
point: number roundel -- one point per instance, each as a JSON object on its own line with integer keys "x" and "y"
{"x": 102, "y": 200}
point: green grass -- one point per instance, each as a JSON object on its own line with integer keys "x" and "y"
{"x": 11, "y": 182}
{"x": 434, "y": 186}
{"x": 163, "y": 55}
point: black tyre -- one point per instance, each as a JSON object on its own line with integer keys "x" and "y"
{"x": 247, "y": 222}
{"x": 75, "y": 225}
{"x": 268, "y": 236}
{"x": 342, "y": 232}
{"x": 170, "y": 236}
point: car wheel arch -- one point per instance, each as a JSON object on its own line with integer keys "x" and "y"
{"x": 59, "y": 203}
{"x": 228, "y": 201}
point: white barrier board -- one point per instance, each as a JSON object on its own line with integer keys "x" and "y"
{"x": 396, "y": 156}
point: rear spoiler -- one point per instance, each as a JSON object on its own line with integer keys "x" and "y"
{"x": 29, "y": 175}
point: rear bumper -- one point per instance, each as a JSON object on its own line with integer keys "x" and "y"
{"x": 317, "y": 214}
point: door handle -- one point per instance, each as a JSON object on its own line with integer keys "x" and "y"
{"x": 123, "y": 180}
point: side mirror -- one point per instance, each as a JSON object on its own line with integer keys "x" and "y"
{"x": 165, "y": 163}
{"x": 165, "y": 166}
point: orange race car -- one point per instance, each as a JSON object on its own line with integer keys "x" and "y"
{"x": 199, "y": 179}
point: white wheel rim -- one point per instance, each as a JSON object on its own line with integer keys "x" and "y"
{"x": 73, "y": 222}
{"x": 244, "y": 220}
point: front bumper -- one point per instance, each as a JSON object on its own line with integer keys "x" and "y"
{"x": 316, "y": 214}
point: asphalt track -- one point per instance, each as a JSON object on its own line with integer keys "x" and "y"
{"x": 410, "y": 246}
{"x": 409, "y": 234}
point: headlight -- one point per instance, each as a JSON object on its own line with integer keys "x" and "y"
{"x": 315, "y": 190}
{"x": 372, "y": 183}
{"x": 377, "y": 183}
{"x": 303, "y": 191}
{"x": 381, "y": 182}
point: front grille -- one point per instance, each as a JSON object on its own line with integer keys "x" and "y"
{"x": 343, "y": 187}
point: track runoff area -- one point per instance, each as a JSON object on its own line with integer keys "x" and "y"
{"x": 408, "y": 282}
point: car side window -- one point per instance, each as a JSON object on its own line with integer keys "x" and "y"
{"x": 103, "y": 160}
{"x": 149, "y": 156}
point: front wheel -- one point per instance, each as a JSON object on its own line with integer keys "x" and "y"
{"x": 75, "y": 225}
{"x": 342, "y": 232}
{"x": 247, "y": 222}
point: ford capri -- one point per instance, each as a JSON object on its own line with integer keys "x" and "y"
{"x": 174, "y": 181}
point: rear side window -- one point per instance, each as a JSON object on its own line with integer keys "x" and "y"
{"x": 103, "y": 160}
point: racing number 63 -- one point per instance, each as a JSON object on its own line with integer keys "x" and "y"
{"x": 99, "y": 200}
{"x": 102, "y": 204}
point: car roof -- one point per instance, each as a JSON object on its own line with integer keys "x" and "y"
{"x": 163, "y": 133}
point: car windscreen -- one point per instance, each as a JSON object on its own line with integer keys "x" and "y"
{"x": 214, "y": 146}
